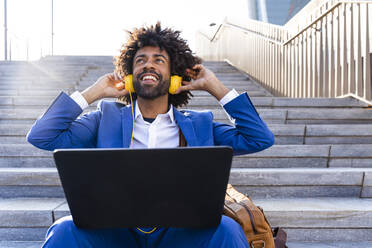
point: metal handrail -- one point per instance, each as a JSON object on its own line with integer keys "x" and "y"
{"x": 322, "y": 16}
{"x": 316, "y": 61}
{"x": 226, "y": 23}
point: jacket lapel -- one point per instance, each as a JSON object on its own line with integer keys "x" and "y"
{"x": 185, "y": 124}
{"x": 127, "y": 124}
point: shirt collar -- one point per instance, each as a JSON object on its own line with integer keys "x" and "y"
{"x": 169, "y": 113}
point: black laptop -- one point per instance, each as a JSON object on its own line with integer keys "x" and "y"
{"x": 112, "y": 188}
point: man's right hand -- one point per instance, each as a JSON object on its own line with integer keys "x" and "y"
{"x": 109, "y": 85}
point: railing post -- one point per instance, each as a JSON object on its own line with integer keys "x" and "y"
{"x": 358, "y": 59}
{"x": 269, "y": 60}
{"x": 295, "y": 68}
{"x": 345, "y": 66}
{"x": 5, "y": 31}
{"x": 285, "y": 69}
{"x": 331, "y": 78}
{"x": 298, "y": 67}
{"x": 315, "y": 62}
{"x": 310, "y": 63}
{"x": 278, "y": 65}
{"x": 338, "y": 54}
{"x": 292, "y": 71}
{"x": 304, "y": 65}
{"x": 367, "y": 62}
{"x": 255, "y": 57}
{"x": 325, "y": 87}
{"x": 321, "y": 63}
{"x": 351, "y": 53}
{"x": 265, "y": 62}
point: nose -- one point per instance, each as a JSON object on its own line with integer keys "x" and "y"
{"x": 148, "y": 64}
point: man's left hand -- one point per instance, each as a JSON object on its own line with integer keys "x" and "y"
{"x": 204, "y": 79}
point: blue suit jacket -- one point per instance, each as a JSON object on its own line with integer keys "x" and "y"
{"x": 110, "y": 126}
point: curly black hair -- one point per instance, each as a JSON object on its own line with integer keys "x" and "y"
{"x": 181, "y": 56}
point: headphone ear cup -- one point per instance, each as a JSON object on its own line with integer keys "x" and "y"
{"x": 175, "y": 83}
{"x": 128, "y": 81}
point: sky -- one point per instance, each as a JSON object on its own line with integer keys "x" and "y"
{"x": 96, "y": 27}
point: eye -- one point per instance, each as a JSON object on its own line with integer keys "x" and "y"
{"x": 159, "y": 60}
{"x": 139, "y": 60}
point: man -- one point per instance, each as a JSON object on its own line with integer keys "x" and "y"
{"x": 151, "y": 55}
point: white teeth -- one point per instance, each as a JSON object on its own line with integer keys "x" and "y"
{"x": 149, "y": 77}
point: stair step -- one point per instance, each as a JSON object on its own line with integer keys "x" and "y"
{"x": 28, "y": 212}
{"x": 309, "y": 156}
{"x": 26, "y": 219}
{"x": 348, "y": 219}
{"x": 271, "y": 116}
{"x": 34, "y": 93}
{"x": 20, "y": 234}
{"x": 309, "y": 212}
{"x": 270, "y": 182}
{"x": 67, "y": 86}
{"x": 306, "y": 115}
{"x": 197, "y": 101}
{"x": 317, "y": 102}
{"x": 284, "y": 134}
{"x": 65, "y": 82}
{"x": 32, "y": 78}
{"x": 38, "y": 244}
{"x": 30, "y": 182}
{"x": 21, "y": 244}
{"x": 356, "y": 244}
{"x": 323, "y": 220}
{"x": 277, "y": 156}
{"x": 256, "y": 93}
{"x": 302, "y": 182}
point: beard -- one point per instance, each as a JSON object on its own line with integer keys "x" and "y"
{"x": 151, "y": 92}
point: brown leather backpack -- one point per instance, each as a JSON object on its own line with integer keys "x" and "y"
{"x": 253, "y": 221}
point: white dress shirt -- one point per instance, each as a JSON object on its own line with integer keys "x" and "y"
{"x": 162, "y": 132}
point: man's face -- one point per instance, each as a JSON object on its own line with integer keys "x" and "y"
{"x": 151, "y": 72}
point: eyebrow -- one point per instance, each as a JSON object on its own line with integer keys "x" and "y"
{"x": 155, "y": 55}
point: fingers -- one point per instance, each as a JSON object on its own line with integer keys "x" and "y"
{"x": 117, "y": 76}
{"x": 194, "y": 72}
{"x": 117, "y": 83}
{"x": 183, "y": 88}
{"x": 198, "y": 67}
{"x": 120, "y": 86}
{"x": 110, "y": 77}
{"x": 186, "y": 85}
{"x": 113, "y": 77}
{"x": 191, "y": 73}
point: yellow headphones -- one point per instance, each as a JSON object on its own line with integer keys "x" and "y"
{"x": 175, "y": 83}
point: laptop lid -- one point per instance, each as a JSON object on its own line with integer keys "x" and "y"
{"x": 178, "y": 187}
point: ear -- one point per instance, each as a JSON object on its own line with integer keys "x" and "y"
{"x": 128, "y": 81}
{"x": 175, "y": 83}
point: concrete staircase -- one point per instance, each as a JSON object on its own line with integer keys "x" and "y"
{"x": 316, "y": 181}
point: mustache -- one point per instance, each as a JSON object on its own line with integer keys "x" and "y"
{"x": 149, "y": 71}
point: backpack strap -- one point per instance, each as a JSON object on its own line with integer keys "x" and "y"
{"x": 182, "y": 140}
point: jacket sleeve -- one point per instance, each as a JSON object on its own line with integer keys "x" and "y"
{"x": 250, "y": 133}
{"x": 60, "y": 127}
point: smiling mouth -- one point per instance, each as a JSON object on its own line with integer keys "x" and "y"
{"x": 149, "y": 78}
